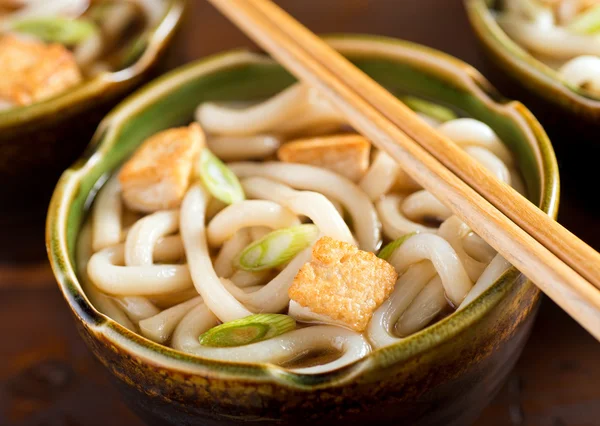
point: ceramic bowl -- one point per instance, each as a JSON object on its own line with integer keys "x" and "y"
{"x": 39, "y": 141}
{"x": 443, "y": 375}
{"x": 569, "y": 115}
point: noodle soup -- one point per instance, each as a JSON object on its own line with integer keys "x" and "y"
{"x": 272, "y": 233}
{"x": 48, "y": 47}
{"x": 561, "y": 33}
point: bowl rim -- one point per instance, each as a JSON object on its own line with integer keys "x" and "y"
{"x": 552, "y": 86}
{"x": 160, "y": 35}
{"x": 163, "y": 357}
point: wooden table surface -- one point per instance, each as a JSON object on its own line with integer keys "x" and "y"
{"x": 47, "y": 376}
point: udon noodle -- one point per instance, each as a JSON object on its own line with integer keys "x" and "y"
{"x": 262, "y": 260}
{"x": 48, "y": 46}
{"x": 565, "y": 34}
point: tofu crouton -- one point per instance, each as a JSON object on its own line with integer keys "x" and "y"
{"x": 347, "y": 155}
{"x": 342, "y": 283}
{"x": 157, "y": 176}
{"x": 33, "y": 71}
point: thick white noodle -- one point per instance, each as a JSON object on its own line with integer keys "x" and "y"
{"x": 395, "y": 224}
{"x": 166, "y": 301}
{"x": 223, "y": 264}
{"x": 137, "y": 308}
{"x": 408, "y": 286}
{"x": 477, "y": 248}
{"x": 159, "y": 327}
{"x": 170, "y": 247}
{"x": 552, "y": 42}
{"x": 139, "y": 251}
{"x": 490, "y": 161}
{"x": 206, "y": 281}
{"x": 88, "y": 51}
{"x": 471, "y": 132}
{"x": 454, "y": 231}
{"x": 258, "y": 232}
{"x": 105, "y": 304}
{"x": 43, "y": 8}
{"x": 445, "y": 260}
{"x": 243, "y": 279}
{"x": 272, "y": 297}
{"x": 423, "y": 309}
{"x": 107, "y": 272}
{"x": 421, "y": 205}
{"x": 330, "y": 184}
{"x": 277, "y": 350}
{"x": 296, "y": 108}
{"x": 582, "y": 71}
{"x": 240, "y": 148}
{"x": 493, "y": 271}
{"x": 307, "y": 203}
{"x": 107, "y": 213}
{"x": 380, "y": 177}
{"x": 535, "y": 11}
{"x": 144, "y": 235}
{"x": 246, "y": 214}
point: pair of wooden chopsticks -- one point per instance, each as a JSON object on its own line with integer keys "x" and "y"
{"x": 560, "y": 264}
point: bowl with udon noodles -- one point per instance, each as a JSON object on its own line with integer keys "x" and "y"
{"x": 234, "y": 253}
{"x": 65, "y": 64}
{"x": 547, "y": 54}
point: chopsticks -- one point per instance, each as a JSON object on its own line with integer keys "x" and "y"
{"x": 560, "y": 264}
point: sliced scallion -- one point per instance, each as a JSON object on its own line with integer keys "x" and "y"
{"x": 387, "y": 251}
{"x": 586, "y": 23}
{"x": 277, "y": 247}
{"x": 69, "y": 32}
{"x": 435, "y": 111}
{"x": 219, "y": 179}
{"x": 251, "y": 329}
{"x": 134, "y": 51}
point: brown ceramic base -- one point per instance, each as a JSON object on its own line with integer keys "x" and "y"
{"x": 452, "y": 394}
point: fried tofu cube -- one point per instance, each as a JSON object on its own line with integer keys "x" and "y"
{"x": 342, "y": 283}
{"x": 33, "y": 71}
{"x": 347, "y": 155}
{"x": 158, "y": 174}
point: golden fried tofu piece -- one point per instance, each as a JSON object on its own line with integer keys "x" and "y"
{"x": 347, "y": 155}
{"x": 158, "y": 174}
{"x": 33, "y": 71}
{"x": 343, "y": 283}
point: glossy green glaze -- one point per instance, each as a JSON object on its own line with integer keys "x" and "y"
{"x": 39, "y": 141}
{"x": 443, "y": 375}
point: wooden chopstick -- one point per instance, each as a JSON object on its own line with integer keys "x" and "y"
{"x": 550, "y": 233}
{"x": 320, "y": 66}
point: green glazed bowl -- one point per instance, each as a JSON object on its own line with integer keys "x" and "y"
{"x": 443, "y": 375}
{"x": 570, "y": 116}
{"x": 39, "y": 141}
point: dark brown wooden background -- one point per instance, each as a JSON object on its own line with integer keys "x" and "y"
{"x": 47, "y": 376}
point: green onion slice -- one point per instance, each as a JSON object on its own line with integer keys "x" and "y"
{"x": 65, "y": 31}
{"x": 387, "y": 251}
{"x": 134, "y": 51}
{"x": 435, "y": 111}
{"x": 586, "y": 23}
{"x": 277, "y": 247}
{"x": 244, "y": 331}
{"x": 219, "y": 179}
